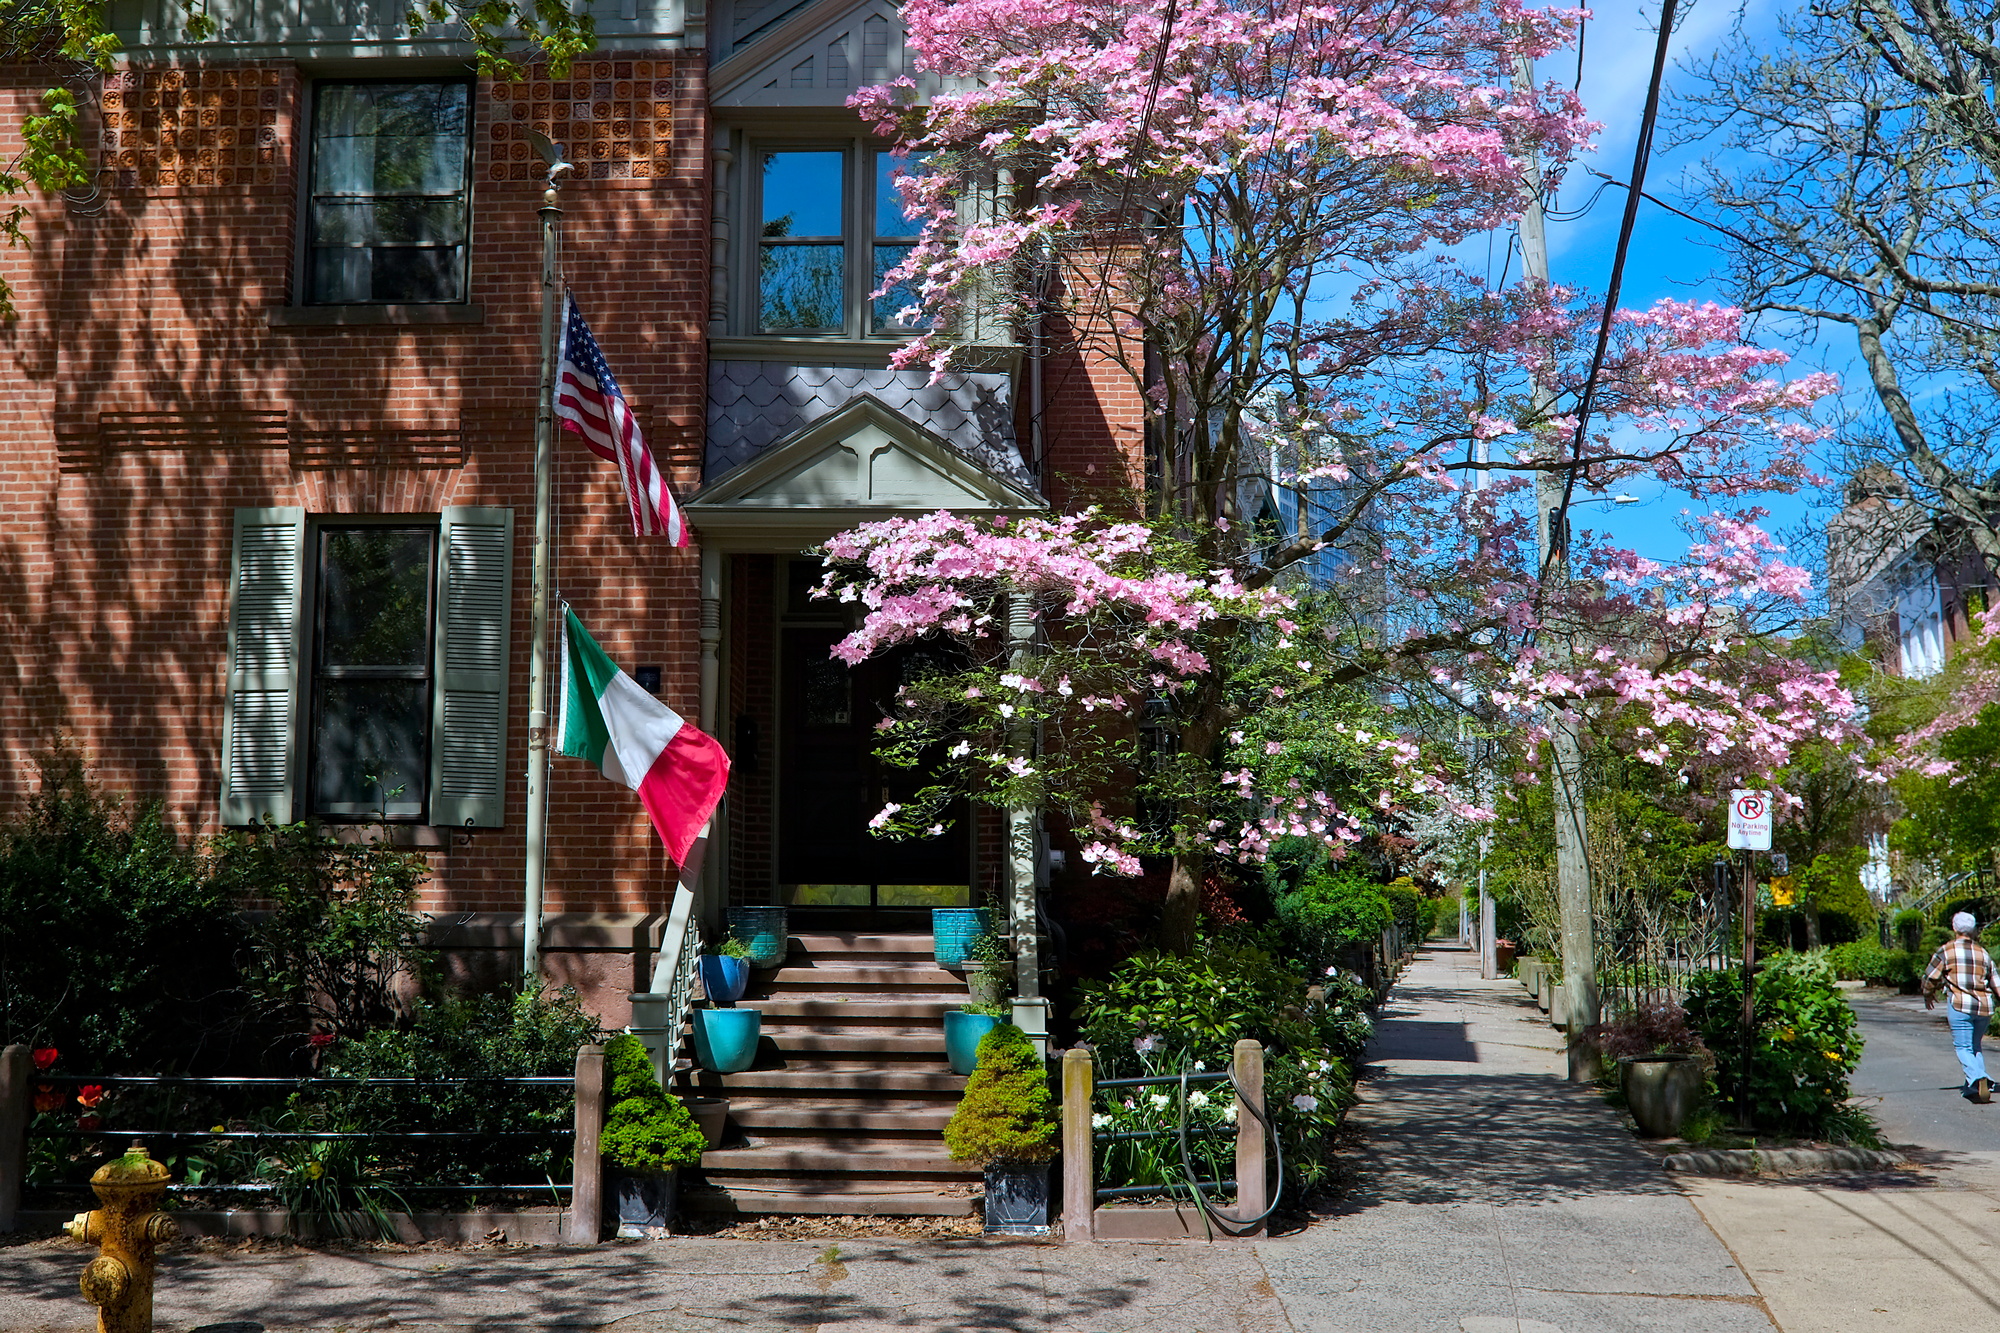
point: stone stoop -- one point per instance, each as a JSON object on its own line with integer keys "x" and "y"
{"x": 845, "y": 1108}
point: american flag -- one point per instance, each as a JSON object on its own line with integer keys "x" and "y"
{"x": 588, "y": 402}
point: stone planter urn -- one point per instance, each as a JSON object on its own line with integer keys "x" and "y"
{"x": 1558, "y": 1005}
{"x": 1661, "y": 1090}
{"x": 1503, "y": 956}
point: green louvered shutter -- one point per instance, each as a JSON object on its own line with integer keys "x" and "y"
{"x": 261, "y": 707}
{"x": 469, "y": 711}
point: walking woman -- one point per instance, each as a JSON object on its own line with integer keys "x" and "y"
{"x": 1964, "y": 968}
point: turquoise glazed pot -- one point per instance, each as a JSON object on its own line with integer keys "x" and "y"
{"x": 725, "y": 1040}
{"x": 763, "y": 932}
{"x": 962, "y": 1033}
{"x": 953, "y": 929}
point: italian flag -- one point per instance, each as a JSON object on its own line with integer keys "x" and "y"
{"x": 608, "y": 719}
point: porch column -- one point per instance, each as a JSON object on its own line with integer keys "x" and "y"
{"x": 1031, "y": 1007}
{"x": 709, "y": 892}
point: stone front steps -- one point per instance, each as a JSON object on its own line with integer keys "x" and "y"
{"x": 845, "y": 1108}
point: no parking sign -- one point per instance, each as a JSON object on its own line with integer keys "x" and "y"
{"x": 1750, "y": 820}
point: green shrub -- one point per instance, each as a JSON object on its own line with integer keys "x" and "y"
{"x": 337, "y": 926}
{"x": 1908, "y": 925}
{"x": 1162, "y": 1014}
{"x": 1007, "y": 1113}
{"x": 1406, "y": 906}
{"x": 647, "y": 1128}
{"x": 1804, "y": 1047}
{"x": 1861, "y": 960}
{"x": 115, "y": 948}
{"x": 1934, "y": 938}
{"x": 521, "y": 1033}
{"x": 1331, "y": 908}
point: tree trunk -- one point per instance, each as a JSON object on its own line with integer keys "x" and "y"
{"x": 1811, "y": 914}
{"x": 1182, "y": 912}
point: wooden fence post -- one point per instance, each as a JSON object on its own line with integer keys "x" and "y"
{"x": 586, "y": 1196}
{"x": 1252, "y": 1194}
{"x": 17, "y": 1093}
{"x": 1079, "y": 1079}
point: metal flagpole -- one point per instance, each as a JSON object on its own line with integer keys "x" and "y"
{"x": 538, "y": 666}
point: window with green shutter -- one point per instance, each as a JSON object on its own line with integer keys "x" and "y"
{"x": 368, "y": 668}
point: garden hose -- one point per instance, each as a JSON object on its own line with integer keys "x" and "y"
{"x": 1235, "y": 1226}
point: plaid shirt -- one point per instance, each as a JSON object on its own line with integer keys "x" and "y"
{"x": 1968, "y": 969}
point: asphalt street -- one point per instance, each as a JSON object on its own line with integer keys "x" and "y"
{"x": 1908, "y": 1078}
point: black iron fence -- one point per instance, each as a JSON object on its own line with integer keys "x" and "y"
{"x": 1646, "y": 961}
{"x": 304, "y": 1141}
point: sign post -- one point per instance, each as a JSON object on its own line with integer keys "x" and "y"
{"x": 1749, "y": 831}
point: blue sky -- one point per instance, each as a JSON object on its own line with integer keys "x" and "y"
{"x": 1669, "y": 255}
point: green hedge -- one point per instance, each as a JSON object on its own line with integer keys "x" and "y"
{"x": 1862, "y": 961}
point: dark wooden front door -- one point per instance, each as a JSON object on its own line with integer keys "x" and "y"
{"x": 830, "y": 785}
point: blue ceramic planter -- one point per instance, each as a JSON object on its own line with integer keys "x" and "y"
{"x": 763, "y": 932}
{"x": 724, "y": 980}
{"x": 962, "y": 1032}
{"x": 725, "y": 1040}
{"x": 953, "y": 929}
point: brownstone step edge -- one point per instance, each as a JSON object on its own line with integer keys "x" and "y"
{"x": 846, "y": 1114}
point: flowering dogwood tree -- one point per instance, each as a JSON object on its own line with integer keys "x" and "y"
{"x": 1241, "y": 203}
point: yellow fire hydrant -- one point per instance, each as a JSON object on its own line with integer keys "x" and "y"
{"x": 119, "y": 1281}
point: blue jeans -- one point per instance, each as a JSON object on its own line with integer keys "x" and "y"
{"x": 1966, "y": 1032}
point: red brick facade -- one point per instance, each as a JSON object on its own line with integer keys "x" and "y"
{"x": 159, "y": 388}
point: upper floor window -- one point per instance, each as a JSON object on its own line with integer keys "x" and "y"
{"x": 388, "y": 213}
{"x": 830, "y": 226}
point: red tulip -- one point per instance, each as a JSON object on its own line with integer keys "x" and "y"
{"x": 47, "y": 1098}
{"x": 90, "y": 1096}
{"x": 45, "y": 1057}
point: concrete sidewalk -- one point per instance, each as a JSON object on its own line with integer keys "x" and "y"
{"x": 1495, "y": 1197}
{"x": 1490, "y": 1196}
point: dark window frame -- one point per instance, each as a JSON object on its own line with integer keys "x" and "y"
{"x": 315, "y": 669}
{"x": 311, "y": 197}
{"x": 860, "y": 238}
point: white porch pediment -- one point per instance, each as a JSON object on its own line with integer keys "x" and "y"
{"x": 817, "y": 55}
{"x": 865, "y": 461}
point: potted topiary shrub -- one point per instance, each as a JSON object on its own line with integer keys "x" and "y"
{"x": 725, "y": 971}
{"x": 648, "y": 1137}
{"x": 1006, "y": 1124}
{"x": 987, "y": 963}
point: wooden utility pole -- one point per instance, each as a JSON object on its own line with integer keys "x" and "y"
{"x": 1579, "y": 943}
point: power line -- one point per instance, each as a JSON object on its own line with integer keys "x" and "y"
{"x": 1642, "y": 155}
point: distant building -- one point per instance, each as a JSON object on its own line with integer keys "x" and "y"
{"x": 1899, "y": 577}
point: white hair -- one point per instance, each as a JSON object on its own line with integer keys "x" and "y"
{"x": 1964, "y": 923}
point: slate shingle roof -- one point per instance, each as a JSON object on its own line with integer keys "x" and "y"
{"x": 754, "y": 404}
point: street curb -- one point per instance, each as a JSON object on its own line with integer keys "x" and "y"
{"x": 1781, "y": 1161}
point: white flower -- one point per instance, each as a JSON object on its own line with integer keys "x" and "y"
{"x": 1201, "y": 1066}
{"x": 1326, "y": 1064}
{"x": 1306, "y": 1102}
{"x": 1146, "y": 1045}
{"x": 964, "y": 748}
{"x": 1229, "y": 1113}
{"x": 1100, "y": 1121}
{"x": 1333, "y": 971}
{"x": 1197, "y": 1100}
{"x": 1161, "y": 1101}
